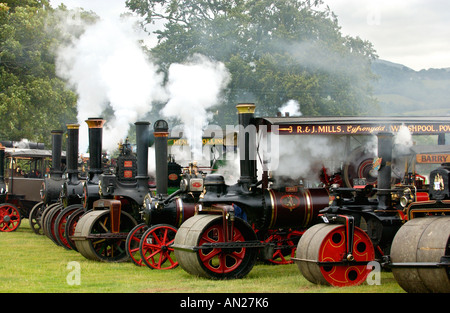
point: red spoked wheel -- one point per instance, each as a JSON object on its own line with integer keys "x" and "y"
{"x": 328, "y": 243}
{"x": 285, "y": 246}
{"x": 50, "y": 223}
{"x": 133, "y": 242}
{"x": 60, "y": 225}
{"x": 9, "y": 217}
{"x": 71, "y": 224}
{"x": 155, "y": 247}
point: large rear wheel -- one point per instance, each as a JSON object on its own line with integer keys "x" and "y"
{"x": 49, "y": 221}
{"x": 71, "y": 224}
{"x": 35, "y": 218}
{"x": 60, "y": 225}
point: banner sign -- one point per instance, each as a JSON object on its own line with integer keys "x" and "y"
{"x": 433, "y": 158}
{"x": 360, "y": 129}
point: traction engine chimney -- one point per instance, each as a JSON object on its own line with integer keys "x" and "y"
{"x": 55, "y": 170}
{"x": 2, "y": 170}
{"x": 95, "y": 145}
{"x": 247, "y": 143}
{"x": 161, "y": 133}
{"x": 72, "y": 149}
{"x": 384, "y": 173}
{"x": 142, "y": 138}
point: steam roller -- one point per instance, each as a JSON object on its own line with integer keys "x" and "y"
{"x": 111, "y": 201}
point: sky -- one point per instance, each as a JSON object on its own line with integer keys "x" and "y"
{"x": 415, "y": 33}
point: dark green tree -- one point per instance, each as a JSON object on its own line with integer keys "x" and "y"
{"x": 33, "y": 101}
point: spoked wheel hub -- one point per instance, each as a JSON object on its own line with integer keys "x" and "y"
{"x": 60, "y": 225}
{"x": 35, "y": 218}
{"x": 156, "y": 247}
{"x": 285, "y": 246}
{"x": 9, "y": 217}
{"x": 133, "y": 242}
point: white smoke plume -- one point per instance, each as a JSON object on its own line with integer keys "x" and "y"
{"x": 292, "y": 107}
{"x": 303, "y": 156}
{"x": 403, "y": 141}
{"x": 193, "y": 88}
{"x": 108, "y": 69}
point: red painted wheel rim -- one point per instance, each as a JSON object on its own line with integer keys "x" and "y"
{"x": 217, "y": 260}
{"x": 156, "y": 250}
{"x": 9, "y": 218}
{"x": 52, "y": 224}
{"x": 71, "y": 226}
{"x": 333, "y": 249}
{"x": 135, "y": 240}
{"x": 61, "y": 227}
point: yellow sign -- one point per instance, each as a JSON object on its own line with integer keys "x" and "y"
{"x": 205, "y": 141}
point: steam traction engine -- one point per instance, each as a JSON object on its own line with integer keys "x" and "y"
{"x": 110, "y": 231}
{"x": 228, "y": 234}
{"x": 150, "y": 243}
{"x": 112, "y": 201}
{"x": 71, "y": 193}
{"x": 405, "y": 228}
{"x": 220, "y": 241}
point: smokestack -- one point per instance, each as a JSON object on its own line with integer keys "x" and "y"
{"x": 56, "y": 153}
{"x": 142, "y": 139}
{"x": 2, "y": 170}
{"x": 385, "y": 142}
{"x": 72, "y": 148}
{"x": 161, "y": 133}
{"x": 247, "y": 143}
{"x": 95, "y": 145}
{"x": 72, "y": 187}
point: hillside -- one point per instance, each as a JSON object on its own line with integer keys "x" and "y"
{"x": 401, "y": 90}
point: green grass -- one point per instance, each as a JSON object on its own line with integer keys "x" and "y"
{"x": 34, "y": 264}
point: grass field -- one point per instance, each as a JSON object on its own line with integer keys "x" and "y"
{"x": 34, "y": 264}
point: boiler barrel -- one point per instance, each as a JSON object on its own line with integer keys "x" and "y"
{"x": 295, "y": 209}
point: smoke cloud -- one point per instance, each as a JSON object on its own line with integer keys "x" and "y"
{"x": 292, "y": 107}
{"x": 402, "y": 141}
{"x": 110, "y": 72}
{"x": 107, "y": 68}
{"x": 302, "y": 157}
{"x": 193, "y": 88}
